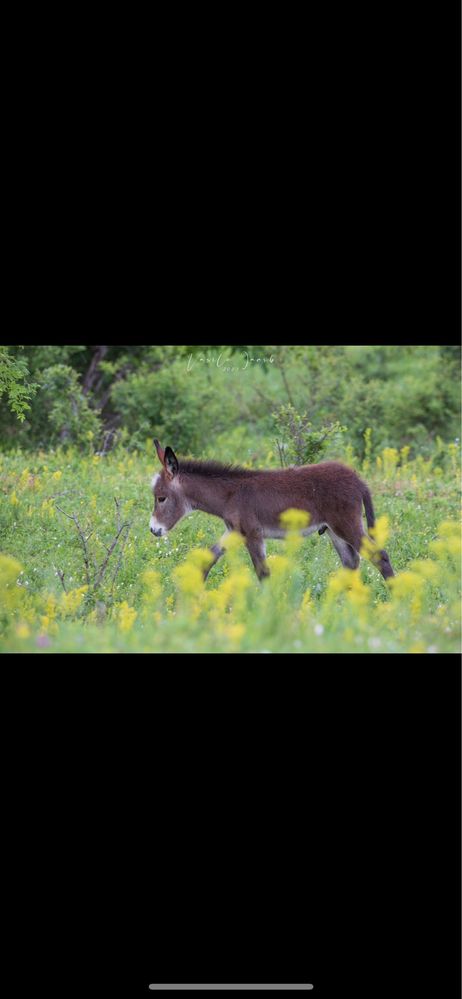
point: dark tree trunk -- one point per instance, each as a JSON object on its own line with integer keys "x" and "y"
{"x": 93, "y": 373}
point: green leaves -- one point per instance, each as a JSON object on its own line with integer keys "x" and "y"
{"x": 297, "y": 440}
{"x": 13, "y": 383}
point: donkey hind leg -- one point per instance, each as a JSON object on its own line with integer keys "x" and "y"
{"x": 349, "y": 556}
{"x": 384, "y": 565}
{"x": 257, "y": 551}
{"x": 353, "y": 537}
{"x": 217, "y": 551}
{"x": 381, "y": 560}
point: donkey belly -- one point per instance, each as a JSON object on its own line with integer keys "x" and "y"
{"x": 278, "y": 532}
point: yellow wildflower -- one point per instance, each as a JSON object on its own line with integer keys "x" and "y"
{"x": 232, "y": 541}
{"x": 371, "y": 546}
{"x": 357, "y": 593}
{"x": 22, "y": 630}
{"x": 47, "y": 508}
{"x": 340, "y": 581}
{"x": 390, "y": 460}
{"x": 9, "y": 570}
{"x": 201, "y": 558}
{"x": 189, "y": 577}
{"x": 231, "y": 592}
{"x": 449, "y": 542}
{"x": 57, "y": 475}
{"x": 380, "y": 531}
{"x": 367, "y": 449}
{"x": 449, "y": 529}
{"x": 152, "y": 584}
{"x": 48, "y": 626}
{"x": 294, "y": 520}
{"x": 453, "y": 451}
{"x": 71, "y": 601}
{"x": 426, "y": 568}
{"x": 126, "y": 616}
{"x": 234, "y": 631}
{"x": 405, "y": 583}
{"x": 307, "y": 603}
{"x": 417, "y": 647}
{"x": 408, "y": 584}
{"x": 349, "y": 455}
{"x": 279, "y": 565}
{"x": 51, "y": 606}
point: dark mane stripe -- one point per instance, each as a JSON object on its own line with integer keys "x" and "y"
{"x": 212, "y": 469}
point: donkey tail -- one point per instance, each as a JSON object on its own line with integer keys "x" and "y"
{"x": 367, "y": 500}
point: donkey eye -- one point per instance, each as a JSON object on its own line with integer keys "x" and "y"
{"x": 161, "y": 499}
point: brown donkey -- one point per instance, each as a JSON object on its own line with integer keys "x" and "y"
{"x": 251, "y": 502}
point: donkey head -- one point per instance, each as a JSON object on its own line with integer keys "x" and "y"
{"x": 170, "y": 504}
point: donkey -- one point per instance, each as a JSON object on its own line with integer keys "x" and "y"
{"x": 251, "y": 502}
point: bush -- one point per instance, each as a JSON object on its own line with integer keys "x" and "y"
{"x": 176, "y": 407}
{"x": 298, "y": 443}
{"x": 65, "y": 407}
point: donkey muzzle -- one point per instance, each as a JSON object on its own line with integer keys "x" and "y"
{"x": 157, "y": 532}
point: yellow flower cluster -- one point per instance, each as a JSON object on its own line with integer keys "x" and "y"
{"x": 22, "y": 630}
{"x": 367, "y": 449}
{"x": 125, "y": 616}
{"x": 371, "y": 546}
{"x": 294, "y": 520}
{"x": 409, "y": 584}
{"x": 72, "y": 601}
{"x": 453, "y": 451}
{"x": 47, "y": 508}
{"x": 449, "y": 542}
{"x": 390, "y": 457}
{"x": 10, "y": 569}
{"x": 404, "y": 455}
{"x": 230, "y": 595}
{"x": 151, "y": 596}
{"x": 348, "y": 581}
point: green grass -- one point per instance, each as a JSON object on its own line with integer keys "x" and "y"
{"x": 276, "y": 617}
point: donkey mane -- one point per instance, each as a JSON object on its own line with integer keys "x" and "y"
{"x": 212, "y": 469}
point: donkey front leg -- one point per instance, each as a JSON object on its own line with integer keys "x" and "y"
{"x": 257, "y": 551}
{"x": 217, "y": 551}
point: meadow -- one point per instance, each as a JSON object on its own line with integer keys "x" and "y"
{"x": 81, "y": 573}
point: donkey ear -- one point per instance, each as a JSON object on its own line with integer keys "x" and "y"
{"x": 160, "y": 451}
{"x": 171, "y": 462}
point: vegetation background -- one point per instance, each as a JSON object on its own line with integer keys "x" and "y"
{"x": 79, "y": 570}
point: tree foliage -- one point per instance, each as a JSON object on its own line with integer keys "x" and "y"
{"x": 14, "y": 384}
{"x": 192, "y": 395}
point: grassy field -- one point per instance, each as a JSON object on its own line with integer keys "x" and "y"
{"x": 146, "y": 594}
